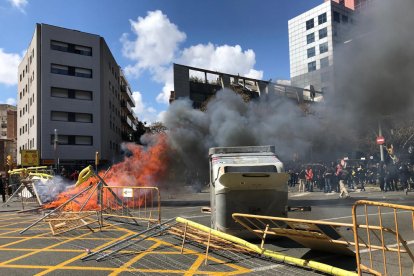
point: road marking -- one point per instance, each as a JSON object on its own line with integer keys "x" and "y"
{"x": 269, "y": 267}
{"x": 388, "y": 246}
{"x": 300, "y": 194}
{"x": 135, "y": 259}
{"x": 63, "y": 264}
{"x": 363, "y": 215}
{"x": 41, "y": 249}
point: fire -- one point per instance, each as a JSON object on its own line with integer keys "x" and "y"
{"x": 144, "y": 168}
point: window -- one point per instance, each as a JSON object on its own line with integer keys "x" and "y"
{"x": 59, "y": 92}
{"x": 311, "y": 66}
{"x": 323, "y": 48}
{"x": 345, "y": 18}
{"x": 310, "y": 38}
{"x": 84, "y": 73}
{"x": 79, "y": 140}
{"x": 83, "y": 140}
{"x": 59, "y": 69}
{"x": 311, "y": 52}
{"x": 59, "y": 116}
{"x": 322, "y": 18}
{"x": 324, "y": 62}
{"x": 71, "y": 71}
{"x": 336, "y": 17}
{"x": 309, "y": 24}
{"x": 83, "y": 117}
{"x": 70, "y": 48}
{"x": 83, "y": 95}
{"x": 59, "y": 46}
{"x": 323, "y": 33}
{"x": 83, "y": 50}
{"x": 71, "y": 117}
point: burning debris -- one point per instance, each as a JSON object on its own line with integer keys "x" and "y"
{"x": 145, "y": 167}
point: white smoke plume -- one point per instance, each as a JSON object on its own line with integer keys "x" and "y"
{"x": 49, "y": 189}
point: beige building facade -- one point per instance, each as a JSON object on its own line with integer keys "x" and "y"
{"x": 8, "y": 134}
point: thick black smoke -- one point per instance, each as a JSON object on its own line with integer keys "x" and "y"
{"x": 375, "y": 68}
{"x": 229, "y": 121}
{"x": 374, "y": 76}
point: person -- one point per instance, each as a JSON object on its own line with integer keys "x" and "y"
{"x": 309, "y": 179}
{"x": 302, "y": 179}
{"x": 361, "y": 177}
{"x": 342, "y": 175}
{"x": 2, "y": 188}
{"x": 404, "y": 175}
{"x": 381, "y": 175}
{"x": 328, "y": 179}
{"x": 63, "y": 172}
{"x": 74, "y": 176}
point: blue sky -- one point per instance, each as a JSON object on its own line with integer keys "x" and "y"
{"x": 248, "y": 37}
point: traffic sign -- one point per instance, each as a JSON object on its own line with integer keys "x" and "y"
{"x": 29, "y": 158}
{"x": 380, "y": 140}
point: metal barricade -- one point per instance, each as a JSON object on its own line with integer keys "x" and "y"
{"x": 386, "y": 231}
{"x": 130, "y": 203}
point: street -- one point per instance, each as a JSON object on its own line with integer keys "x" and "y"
{"x": 37, "y": 251}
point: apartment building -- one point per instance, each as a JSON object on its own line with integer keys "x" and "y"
{"x": 69, "y": 83}
{"x": 8, "y": 134}
{"x": 313, "y": 36}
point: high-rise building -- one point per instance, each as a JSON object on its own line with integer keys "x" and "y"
{"x": 313, "y": 36}
{"x": 8, "y": 134}
{"x": 69, "y": 83}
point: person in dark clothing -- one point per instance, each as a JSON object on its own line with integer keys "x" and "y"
{"x": 381, "y": 175}
{"x": 2, "y": 188}
{"x": 404, "y": 175}
{"x": 328, "y": 175}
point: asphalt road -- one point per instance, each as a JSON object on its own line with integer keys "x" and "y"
{"x": 37, "y": 251}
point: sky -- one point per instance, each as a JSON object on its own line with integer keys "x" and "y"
{"x": 246, "y": 37}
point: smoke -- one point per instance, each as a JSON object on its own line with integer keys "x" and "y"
{"x": 374, "y": 70}
{"x": 229, "y": 121}
{"x": 49, "y": 189}
{"x": 373, "y": 77}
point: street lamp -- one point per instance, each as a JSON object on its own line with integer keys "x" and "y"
{"x": 55, "y": 143}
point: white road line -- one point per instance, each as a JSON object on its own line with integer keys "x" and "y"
{"x": 386, "y": 213}
{"x": 269, "y": 267}
{"x": 389, "y": 246}
{"x": 300, "y": 194}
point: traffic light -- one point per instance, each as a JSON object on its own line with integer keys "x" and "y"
{"x": 9, "y": 160}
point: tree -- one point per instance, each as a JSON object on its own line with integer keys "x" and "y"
{"x": 156, "y": 127}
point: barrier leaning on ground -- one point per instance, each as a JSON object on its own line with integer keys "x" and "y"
{"x": 379, "y": 248}
{"x": 385, "y": 244}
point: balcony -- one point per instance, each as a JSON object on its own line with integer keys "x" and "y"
{"x": 126, "y": 122}
{"x": 125, "y": 88}
{"x": 127, "y": 108}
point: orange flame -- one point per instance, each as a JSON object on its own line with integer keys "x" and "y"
{"x": 145, "y": 168}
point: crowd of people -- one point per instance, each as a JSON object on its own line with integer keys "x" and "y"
{"x": 342, "y": 176}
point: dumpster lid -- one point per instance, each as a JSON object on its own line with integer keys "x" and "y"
{"x": 247, "y": 149}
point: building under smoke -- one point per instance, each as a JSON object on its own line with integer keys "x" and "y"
{"x": 200, "y": 85}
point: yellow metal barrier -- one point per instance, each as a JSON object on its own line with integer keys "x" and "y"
{"x": 136, "y": 203}
{"x": 387, "y": 242}
{"x": 265, "y": 252}
{"x": 320, "y": 235}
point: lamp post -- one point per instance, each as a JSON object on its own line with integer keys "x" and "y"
{"x": 55, "y": 143}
